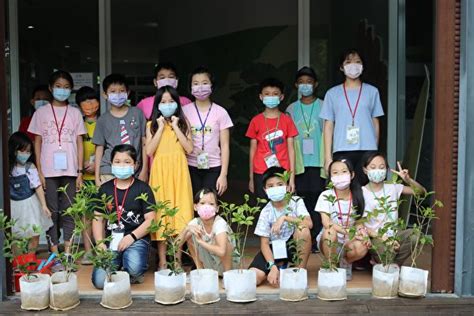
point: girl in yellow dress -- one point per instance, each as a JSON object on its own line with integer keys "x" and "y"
{"x": 168, "y": 139}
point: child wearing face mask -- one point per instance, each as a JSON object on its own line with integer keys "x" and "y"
{"x": 351, "y": 114}
{"x": 375, "y": 167}
{"x": 122, "y": 124}
{"x": 210, "y": 127}
{"x": 271, "y": 136}
{"x": 209, "y": 236}
{"x": 129, "y": 233}
{"x": 168, "y": 139}
{"x": 340, "y": 215}
{"x": 275, "y": 229}
{"x": 58, "y": 129}
{"x": 40, "y": 97}
{"x": 165, "y": 74}
{"x": 27, "y": 201}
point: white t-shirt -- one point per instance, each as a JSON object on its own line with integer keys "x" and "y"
{"x": 270, "y": 215}
{"x": 341, "y": 212}
{"x": 393, "y": 192}
{"x": 219, "y": 226}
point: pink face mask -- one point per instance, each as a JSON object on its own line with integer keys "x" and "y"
{"x": 206, "y": 211}
{"x": 167, "y": 82}
{"x": 202, "y": 91}
{"x": 341, "y": 182}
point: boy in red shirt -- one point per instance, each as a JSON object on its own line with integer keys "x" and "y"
{"x": 271, "y": 136}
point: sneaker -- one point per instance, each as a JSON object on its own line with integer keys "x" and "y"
{"x": 138, "y": 279}
{"x": 57, "y": 266}
{"x": 348, "y": 266}
{"x": 86, "y": 259}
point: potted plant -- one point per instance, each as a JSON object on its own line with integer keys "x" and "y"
{"x": 240, "y": 284}
{"x": 414, "y": 281}
{"x": 34, "y": 285}
{"x": 384, "y": 244}
{"x": 170, "y": 283}
{"x": 64, "y": 291}
{"x": 294, "y": 280}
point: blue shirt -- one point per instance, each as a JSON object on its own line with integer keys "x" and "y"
{"x": 303, "y": 114}
{"x": 336, "y": 109}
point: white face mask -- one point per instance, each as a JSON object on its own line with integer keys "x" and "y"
{"x": 353, "y": 70}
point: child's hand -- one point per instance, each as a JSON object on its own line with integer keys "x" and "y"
{"x": 251, "y": 185}
{"x": 161, "y": 122}
{"x": 174, "y": 121}
{"x": 46, "y": 211}
{"x": 402, "y": 173}
{"x": 42, "y": 180}
{"x": 195, "y": 230}
{"x": 273, "y": 276}
{"x": 126, "y": 242}
{"x": 291, "y": 184}
{"x": 276, "y": 227}
{"x": 78, "y": 182}
{"x": 89, "y": 168}
{"x": 221, "y": 184}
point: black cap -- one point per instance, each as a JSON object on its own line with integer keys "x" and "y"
{"x": 306, "y": 71}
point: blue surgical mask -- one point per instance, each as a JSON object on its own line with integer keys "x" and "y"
{"x": 40, "y": 103}
{"x": 168, "y": 109}
{"x": 271, "y": 101}
{"x": 122, "y": 172}
{"x": 61, "y": 94}
{"x": 117, "y": 99}
{"x": 306, "y": 89}
{"x": 22, "y": 158}
{"x": 276, "y": 194}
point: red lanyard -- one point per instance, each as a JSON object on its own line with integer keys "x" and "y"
{"x": 340, "y": 210}
{"x": 59, "y": 129}
{"x": 119, "y": 207}
{"x": 353, "y": 114}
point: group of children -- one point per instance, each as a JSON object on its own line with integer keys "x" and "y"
{"x": 180, "y": 148}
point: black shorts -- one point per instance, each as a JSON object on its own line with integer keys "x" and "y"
{"x": 260, "y": 263}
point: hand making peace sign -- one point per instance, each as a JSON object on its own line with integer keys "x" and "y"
{"x": 402, "y": 173}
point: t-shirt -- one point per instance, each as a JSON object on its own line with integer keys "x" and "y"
{"x": 134, "y": 211}
{"x": 108, "y": 133}
{"x": 217, "y": 121}
{"x": 24, "y": 123}
{"x": 269, "y": 215}
{"x": 32, "y": 175}
{"x": 266, "y": 132}
{"x": 342, "y": 216}
{"x": 393, "y": 192}
{"x": 89, "y": 147}
{"x": 336, "y": 109}
{"x": 43, "y": 124}
{"x": 146, "y": 105}
{"x": 310, "y": 126}
{"x": 218, "y": 227}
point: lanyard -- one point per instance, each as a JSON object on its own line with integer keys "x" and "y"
{"x": 307, "y": 124}
{"x": 353, "y": 114}
{"x": 271, "y": 141}
{"x": 59, "y": 129}
{"x": 375, "y": 196}
{"x": 340, "y": 210}
{"x": 203, "y": 124}
{"x": 119, "y": 207}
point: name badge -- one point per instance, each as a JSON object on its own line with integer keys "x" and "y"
{"x": 279, "y": 249}
{"x": 352, "y": 134}
{"x": 116, "y": 239}
{"x": 203, "y": 160}
{"x": 60, "y": 160}
{"x": 308, "y": 146}
{"x": 271, "y": 161}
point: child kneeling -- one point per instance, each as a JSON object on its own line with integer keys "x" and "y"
{"x": 275, "y": 229}
{"x": 209, "y": 236}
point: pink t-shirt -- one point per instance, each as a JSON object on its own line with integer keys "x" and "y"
{"x": 218, "y": 120}
{"x": 146, "y": 105}
{"x": 43, "y": 124}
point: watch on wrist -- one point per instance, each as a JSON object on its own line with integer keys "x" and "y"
{"x": 79, "y": 170}
{"x": 270, "y": 264}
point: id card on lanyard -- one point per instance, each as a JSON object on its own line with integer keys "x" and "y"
{"x": 308, "y": 142}
{"x": 203, "y": 157}
{"x": 352, "y": 131}
{"x": 271, "y": 159}
{"x": 118, "y": 234}
{"x": 349, "y": 211}
{"x": 60, "y": 162}
{"x": 279, "y": 245}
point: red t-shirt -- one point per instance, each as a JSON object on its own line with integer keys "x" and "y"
{"x": 267, "y": 133}
{"x": 24, "y": 123}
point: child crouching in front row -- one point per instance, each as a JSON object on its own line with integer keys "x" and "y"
{"x": 275, "y": 231}
{"x": 209, "y": 237}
